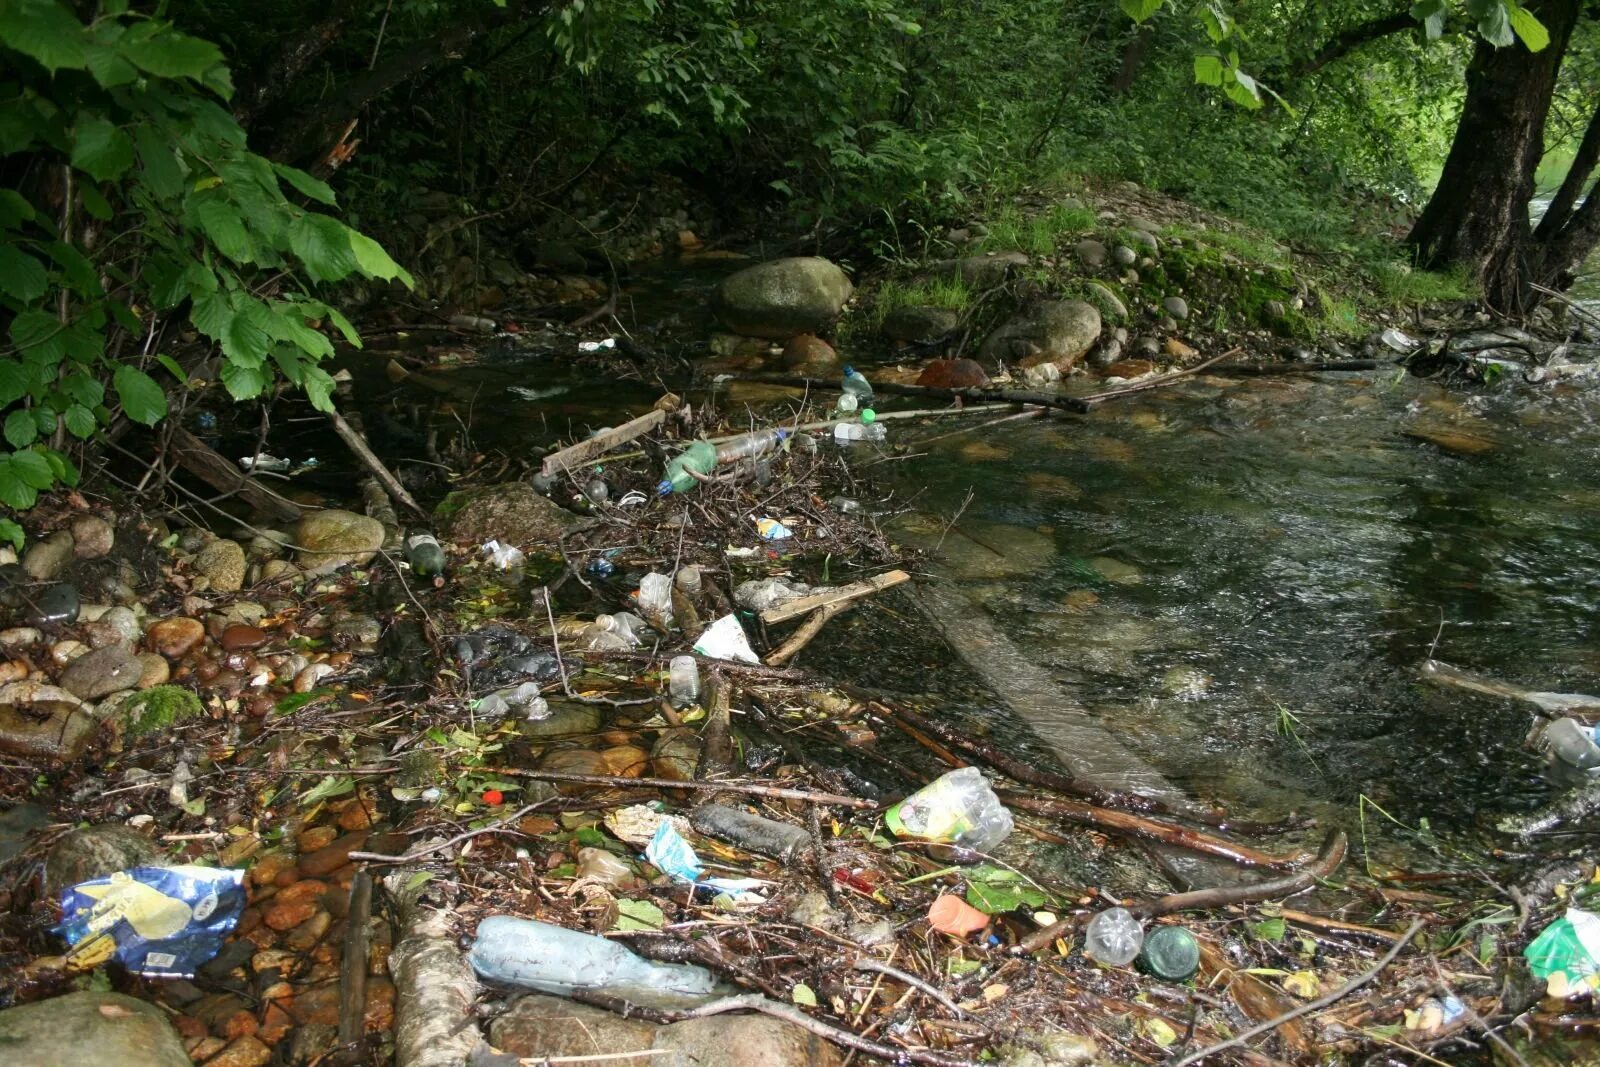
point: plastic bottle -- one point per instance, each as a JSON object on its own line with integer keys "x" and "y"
{"x": 855, "y": 384}
{"x": 1113, "y": 937}
{"x": 1572, "y": 743}
{"x": 750, "y": 445}
{"x": 959, "y": 808}
{"x": 553, "y": 959}
{"x": 753, "y": 833}
{"x": 655, "y": 600}
{"x": 847, "y": 404}
{"x": 698, "y": 458}
{"x": 683, "y": 680}
{"x": 424, "y": 555}
{"x": 868, "y": 429}
{"x": 1170, "y": 953}
{"x": 689, "y": 581}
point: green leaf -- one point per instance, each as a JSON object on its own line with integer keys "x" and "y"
{"x": 83, "y": 389}
{"x": 10, "y": 531}
{"x": 101, "y": 150}
{"x": 170, "y": 54}
{"x": 373, "y": 261}
{"x": 1140, "y": 10}
{"x": 38, "y": 336}
{"x": 161, "y": 169}
{"x": 1529, "y": 28}
{"x": 80, "y": 421}
{"x": 1242, "y": 89}
{"x": 94, "y": 203}
{"x": 1270, "y": 929}
{"x": 109, "y": 67}
{"x": 220, "y": 219}
{"x": 142, "y": 399}
{"x": 324, "y": 246}
{"x": 245, "y": 342}
{"x": 44, "y": 31}
{"x": 20, "y": 429}
{"x": 344, "y": 327}
{"x": 242, "y": 382}
{"x": 22, "y": 276}
{"x": 315, "y": 188}
{"x": 33, "y": 469}
{"x": 62, "y": 468}
{"x": 803, "y": 995}
{"x": 334, "y": 785}
{"x": 1432, "y": 15}
{"x": 174, "y": 368}
{"x": 212, "y": 315}
{"x": 1209, "y": 69}
{"x": 1495, "y": 26}
{"x": 14, "y": 492}
{"x": 14, "y": 208}
{"x": 319, "y": 386}
{"x": 639, "y": 915}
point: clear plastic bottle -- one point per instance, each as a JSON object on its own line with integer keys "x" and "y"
{"x": 655, "y": 600}
{"x": 683, "y": 680}
{"x": 1572, "y": 743}
{"x": 424, "y": 555}
{"x": 868, "y": 429}
{"x": 698, "y": 458}
{"x": 689, "y": 581}
{"x": 553, "y": 959}
{"x": 750, "y": 445}
{"x": 847, "y": 404}
{"x": 1113, "y": 937}
{"x": 855, "y": 384}
{"x": 959, "y": 808}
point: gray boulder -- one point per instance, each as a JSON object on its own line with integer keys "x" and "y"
{"x": 511, "y": 513}
{"x": 1056, "y": 331}
{"x": 222, "y": 564}
{"x": 1090, "y": 253}
{"x": 333, "y": 538}
{"x": 46, "y": 559}
{"x": 783, "y": 297}
{"x": 980, "y": 271}
{"x": 1177, "y": 307}
{"x": 39, "y": 721}
{"x": 94, "y": 852}
{"x": 102, "y": 672}
{"x": 1107, "y": 301}
{"x": 919, "y": 323}
{"x": 90, "y": 1028}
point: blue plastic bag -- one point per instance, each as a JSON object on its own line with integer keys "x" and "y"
{"x": 161, "y": 922}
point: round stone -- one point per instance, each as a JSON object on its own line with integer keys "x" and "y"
{"x": 240, "y": 636}
{"x": 175, "y": 638}
{"x": 58, "y": 604}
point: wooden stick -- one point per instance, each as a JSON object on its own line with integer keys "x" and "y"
{"x": 602, "y": 442}
{"x": 1009, "y": 396}
{"x": 1306, "y": 1009}
{"x": 1145, "y": 386}
{"x": 793, "y": 609}
{"x": 1335, "y": 926}
{"x": 716, "y": 743}
{"x": 353, "y": 966}
{"x": 807, "y": 630}
{"x": 1334, "y": 847}
{"x": 778, "y": 792}
{"x": 211, "y": 467}
{"x": 354, "y": 441}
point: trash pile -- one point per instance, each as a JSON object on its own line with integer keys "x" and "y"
{"x": 577, "y": 792}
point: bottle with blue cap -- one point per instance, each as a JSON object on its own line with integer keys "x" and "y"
{"x": 855, "y": 385}
{"x": 698, "y": 458}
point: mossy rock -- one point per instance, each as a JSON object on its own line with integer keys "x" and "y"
{"x": 157, "y": 708}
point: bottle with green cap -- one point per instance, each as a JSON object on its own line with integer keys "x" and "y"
{"x": 1170, "y": 953}
{"x": 866, "y": 428}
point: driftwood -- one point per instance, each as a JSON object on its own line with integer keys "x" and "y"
{"x": 1095, "y": 399}
{"x": 604, "y": 441}
{"x": 353, "y": 965}
{"x": 217, "y": 471}
{"x": 793, "y": 609}
{"x": 981, "y": 394}
{"x": 806, "y": 632}
{"x": 357, "y": 443}
{"x": 1334, "y": 847}
{"x": 435, "y": 1025}
{"x": 620, "y": 782}
{"x": 1442, "y": 674}
{"x": 716, "y": 740}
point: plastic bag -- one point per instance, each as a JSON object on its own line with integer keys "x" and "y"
{"x": 725, "y": 639}
{"x": 503, "y": 556}
{"x": 161, "y": 922}
{"x": 1570, "y": 947}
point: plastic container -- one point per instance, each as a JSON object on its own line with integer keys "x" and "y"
{"x": 1170, "y": 953}
{"x": 1572, "y": 743}
{"x": 552, "y": 959}
{"x": 753, "y": 833}
{"x": 698, "y": 458}
{"x": 683, "y": 680}
{"x": 750, "y": 445}
{"x": 959, "y": 808}
{"x": 855, "y": 384}
{"x": 689, "y": 581}
{"x": 867, "y": 429}
{"x": 1113, "y": 937}
{"x": 847, "y": 404}
{"x": 655, "y": 600}
{"x": 424, "y": 555}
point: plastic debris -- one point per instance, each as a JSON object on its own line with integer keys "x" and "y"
{"x": 597, "y": 346}
{"x": 553, "y": 959}
{"x": 655, "y": 600}
{"x": 951, "y": 915}
{"x": 503, "y": 557}
{"x": 676, "y": 858}
{"x": 1170, "y": 953}
{"x": 638, "y": 823}
{"x": 1398, "y": 340}
{"x": 725, "y": 639}
{"x": 683, "y": 680}
{"x": 1566, "y": 955}
{"x": 160, "y": 922}
{"x": 959, "y": 808}
{"x": 1113, "y": 937}
{"x": 522, "y": 701}
{"x": 522, "y": 392}
{"x": 263, "y": 463}
{"x": 424, "y": 555}
{"x": 773, "y": 530}
{"x": 761, "y": 594}
{"x": 753, "y": 833}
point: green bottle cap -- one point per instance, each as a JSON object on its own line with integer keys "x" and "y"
{"x": 868, "y": 416}
{"x": 1170, "y": 953}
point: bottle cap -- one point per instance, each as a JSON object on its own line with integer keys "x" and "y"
{"x": 848, "y": 370}
{"x": 1170, "y": 953}
{"x": 868, "y": 416}
{"x": 663, "y": 487}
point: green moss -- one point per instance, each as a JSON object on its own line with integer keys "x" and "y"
{"x": 159, "y": 707}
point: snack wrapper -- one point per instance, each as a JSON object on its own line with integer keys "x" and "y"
{"x": 160, "y": 922}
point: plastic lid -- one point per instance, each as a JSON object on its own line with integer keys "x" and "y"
{"x": 868, "y": 416}
{"x": 663, "y": 487}
{"x": 848, "y": 370}
{"x": 1171, "y": 953}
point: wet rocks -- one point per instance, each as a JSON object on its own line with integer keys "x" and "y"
{"x": 222, "y": 564}
{"x": 46, "y": 559}
{"x": 783, "y": 297}
{"x": 333, "y": 538}
{"x": 511, "y": 511}
{"x": 42, "y": 721}
{"x": 1108, "y": 301}
{"x": 1056, "y": 331}
{"x": 1177, "y": 307}
{"x": 96, "y": 851}
{"x": 117, "y": 626}
{"x": 1090, "y": 253}
{"x": 809, "y": 354}
{"x": 919, "y": 323}
{"x": 240, "y": 637}
{"x": 564, "y": 720}
{"x": 981, "y": 272}
{"x": 102, "y": 672}
{"x": 175, "y": 638}
{"x": 1178, "y": 350}
{"x": 98, "y": 1028}
{"x": 57, "y": 604}
{"x": 92, "y": 537}
{"x": 954, "y": 374}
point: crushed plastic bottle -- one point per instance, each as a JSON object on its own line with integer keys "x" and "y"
{"x": 424, "y": 555}
{"x": 847, "y": 404}
{"x": 683, "y": 680}
{"x": 750, "y": 445}
{"x": 855, "y": 384}
{"x": 698, "y": 458}
{"x": 959, "y": 808}
{"x": 1572, "y": 743}
{"x": 1113, "y": 937}
{"x": 868, "y": 429}
{"x": 553, "y": 959}
{"x": 655, "y": 600}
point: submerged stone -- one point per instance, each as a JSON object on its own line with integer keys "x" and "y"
{"x": 90, "y": 1028}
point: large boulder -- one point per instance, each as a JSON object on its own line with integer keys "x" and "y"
{"x": 39, "y": 721}
{"x": 222, "y": 564}
{"x": 512, "y": 513}
{"x": 89, "y": 1028}
{"x": 102, "y": 672}
{"x": 1056, "y": 331}
{"x": 94, "y": 852}
{"x": 983, "y": 271}
{"x": 331, "y": 539}
{"x": 540, "y": 1027}
{"x": 783, "y": 297}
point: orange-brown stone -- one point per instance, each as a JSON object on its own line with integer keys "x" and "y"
{"x": 175, "y": 638}
{"x": 953, "y": 374}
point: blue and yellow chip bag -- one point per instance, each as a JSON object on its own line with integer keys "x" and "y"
{"x": 161, "y": 922}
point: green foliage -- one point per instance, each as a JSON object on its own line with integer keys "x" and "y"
{"x": 159, "y": 707}
{"x": 943, "y": 291}
{"x": 129, "y": 195}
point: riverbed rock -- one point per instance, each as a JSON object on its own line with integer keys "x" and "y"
{"x": 117, "y": 626}
{"x": 175, "y": 638}
{"x": 807, "y": 353}
{"x": 94, "y": 852}
{"x": 919, "y": 323}
{"x": 40, "y": 721}
{"x": 46, "y": 559}
{"x": 977, "y": 550}
{"x": 1090, "y": 253}
{"x": 1056, "y": 331}
{"x": 783, "y": 297}
{"x": 564, "y": 720}
{"x": 980, "y": 272}
{"x": 102, "y": 672}
{"x": 90, "y": 1028}
{"x": 222, "y": 564}
{"x": 334, "y": 538}
{"x": 92, "y": 537}
{"x": 1177, "y": 307}
{"x": 512, "y": 513}
{"x": 1124, "y": 256}
{"x": 56, "y": 605}
{"x": 1107, "y": 301}
{"x": 539, "y": 1026}
{"x": 954, "y": 374}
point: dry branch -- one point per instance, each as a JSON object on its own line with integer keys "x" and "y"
{"x": 793, "y": 609}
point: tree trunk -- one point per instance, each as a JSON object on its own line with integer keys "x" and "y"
{"x": 1570, "y": 230}
{"x": 1477, "y": 217}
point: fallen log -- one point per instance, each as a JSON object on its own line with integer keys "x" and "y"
{"x": 844, "y": 594}
{"x": 621, "y": 782}
{"x": 217, "y": 471}
{"x": 574, "y": 456}
{"x": 356, "y": 442}
{"x": 435, "y": 989}
{"x": 1095, "y": 399}
{"x": 983, "y": 394}
{"x": 1442, "y": 674}
{"x": 353, "y": 964}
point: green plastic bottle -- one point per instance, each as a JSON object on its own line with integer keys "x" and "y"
{"x": 698, "y": 458}
{"x": 424, "y": 555}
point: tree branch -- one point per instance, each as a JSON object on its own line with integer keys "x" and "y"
{"x": 1559, "y": 212}
{"x": 298, "y": 54}
{"x": 1356, "y": 36}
